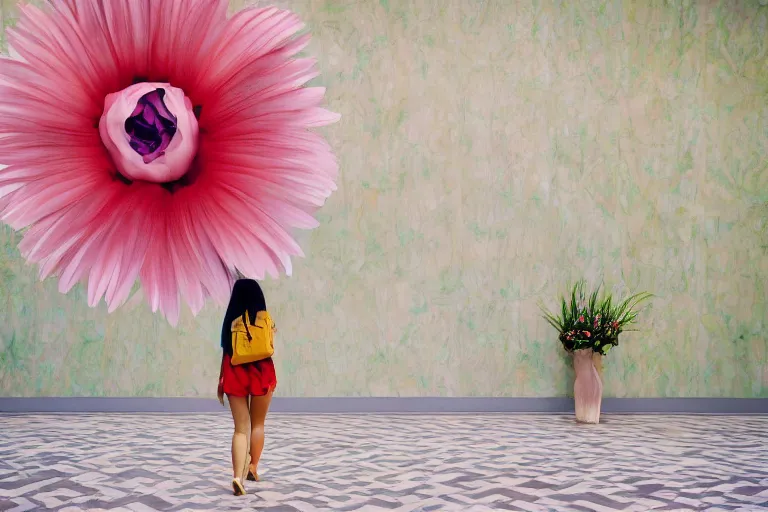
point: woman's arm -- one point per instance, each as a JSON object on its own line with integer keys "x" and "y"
{"x": 220, "y": 390}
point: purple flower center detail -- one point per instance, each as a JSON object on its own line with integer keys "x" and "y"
{"x": 151, "y": 126}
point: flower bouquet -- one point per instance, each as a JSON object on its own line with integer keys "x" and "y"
{"x": 587, "y": 325}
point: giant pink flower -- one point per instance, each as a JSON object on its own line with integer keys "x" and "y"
{"x": 160, "y": 140}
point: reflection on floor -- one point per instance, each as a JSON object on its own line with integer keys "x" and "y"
{"x": 406, "y": 463}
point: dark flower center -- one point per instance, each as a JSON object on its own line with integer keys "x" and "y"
{"x": 151, "y": 126}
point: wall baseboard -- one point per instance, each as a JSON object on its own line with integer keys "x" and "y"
{"x": 388, "y": 405}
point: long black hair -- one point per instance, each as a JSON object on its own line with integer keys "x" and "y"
{"x": 246, "y": 296}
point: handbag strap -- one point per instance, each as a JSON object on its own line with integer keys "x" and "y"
{"x": 245, "y": 323}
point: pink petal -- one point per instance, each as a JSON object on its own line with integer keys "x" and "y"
{"x": 158, "y": 278}
{"x": 124, "y": 247}
{"x": 247, "y": 37}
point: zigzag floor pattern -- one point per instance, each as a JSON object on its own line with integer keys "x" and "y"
{"x": 141, "y": 463}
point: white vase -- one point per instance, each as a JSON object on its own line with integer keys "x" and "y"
{"x": 587, "y": 389}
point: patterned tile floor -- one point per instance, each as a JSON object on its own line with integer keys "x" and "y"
{"x": 142, "y": 463}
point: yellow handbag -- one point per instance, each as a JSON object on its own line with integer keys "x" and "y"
{"x": 252, "y": 342}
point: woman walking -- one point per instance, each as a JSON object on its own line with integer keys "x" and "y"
{"x": 248, "y": 386}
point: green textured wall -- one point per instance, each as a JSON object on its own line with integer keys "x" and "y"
{"x": 491, "y": 152}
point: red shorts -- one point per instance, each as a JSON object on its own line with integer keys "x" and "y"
{"x": 254, "y": 379}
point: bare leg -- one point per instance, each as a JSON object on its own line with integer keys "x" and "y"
{"x": 239, "y": 407}
{"x": 259, "y": 408}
